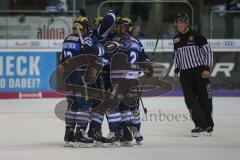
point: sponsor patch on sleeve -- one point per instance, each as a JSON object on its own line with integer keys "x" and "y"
{"x": 176, "y": 40}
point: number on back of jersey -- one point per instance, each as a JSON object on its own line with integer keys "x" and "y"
{"x": 133, "y": 57}
{"x": 65, "y": 55}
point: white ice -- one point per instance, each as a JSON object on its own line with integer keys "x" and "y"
{"x": 29, "y": 130}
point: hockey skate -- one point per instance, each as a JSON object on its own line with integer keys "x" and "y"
{"x": 69, "y": 137}
{"x": 112, "y": 140}
{"x": 138, "y": 137}
{"x": 98, "y": 138}
{"x": 198, "y": 132}
{"x": 126, "y": 139}
{"x": 82, "y": 140}
{"x": 209, "y": 131}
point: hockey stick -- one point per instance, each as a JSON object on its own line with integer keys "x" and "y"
{"x": 140, "y": 92}
{"x": 155, "y": 47}
{"x": 81, "y": 38}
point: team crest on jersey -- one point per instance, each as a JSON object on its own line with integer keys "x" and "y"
{"x": 176, "y": 40}
{"x": 191, "y": 38}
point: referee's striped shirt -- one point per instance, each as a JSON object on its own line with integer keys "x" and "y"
{"x": 191, "y": 50}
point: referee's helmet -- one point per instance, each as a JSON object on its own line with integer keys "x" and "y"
{"x": 183, "y": 17}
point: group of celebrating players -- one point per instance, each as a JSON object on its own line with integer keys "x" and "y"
{"x": 111, "y": 34}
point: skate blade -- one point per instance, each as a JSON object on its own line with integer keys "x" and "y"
{"x": 200, "y": 134}
{"x": 209, "y": 134}
{"x": 111, "y": 145}
{"x": 139, "y": 143}
{"x": 98, "y": 144}
{"x": 126, "y": 144}
{"x": 83, "y": 145}
{"x": 69, "y": 144}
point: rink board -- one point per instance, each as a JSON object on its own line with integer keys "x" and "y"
{"x": 25, "y": 70}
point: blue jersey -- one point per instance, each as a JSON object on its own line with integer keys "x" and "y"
{"x": 72, "y": 46}
{"x": 132, "y": 48}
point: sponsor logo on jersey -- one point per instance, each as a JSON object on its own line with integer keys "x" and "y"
{"x": 73, "y": 38}
{"x": 72, "y": 46}
{"x": 176, "y": 40}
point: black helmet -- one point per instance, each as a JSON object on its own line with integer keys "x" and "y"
{"x": 183, "y": 17}
{"x": 81, "y": 22}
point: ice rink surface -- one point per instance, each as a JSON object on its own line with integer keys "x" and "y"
{"x": 31, "y": 131}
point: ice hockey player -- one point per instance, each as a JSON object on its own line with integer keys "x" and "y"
{"x": 77, "y": 115}
{"x": 102, "y": 28}
{"x": 130, "y": 116}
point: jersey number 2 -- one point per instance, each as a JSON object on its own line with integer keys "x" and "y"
{"x": 133, "y": 57}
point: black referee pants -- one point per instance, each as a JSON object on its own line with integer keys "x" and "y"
{"x": 198, "y": 96}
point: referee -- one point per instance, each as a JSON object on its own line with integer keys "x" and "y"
{"x": 193, "y": 60}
